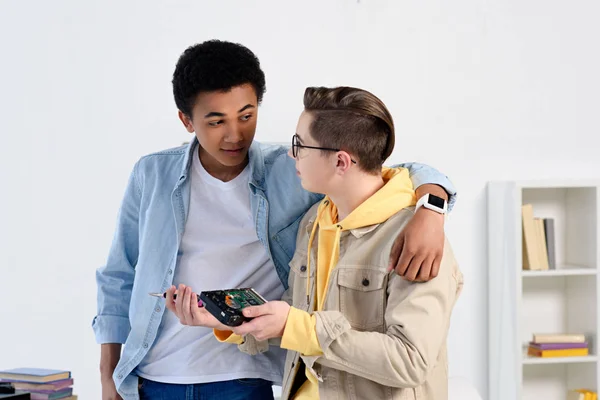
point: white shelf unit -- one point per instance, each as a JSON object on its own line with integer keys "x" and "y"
{"x": 564, "y": 300}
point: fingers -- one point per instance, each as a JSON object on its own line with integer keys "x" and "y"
{"x": 247, "y": 328}
{"x": 182, "y": 305}
{"x": 194, "y": 308}
{"x": 435, "y": 269}
{"x": 413, "y": 268}
{"x": 405, "y": 260}
{"x": 257, "y": 311}
{"x": 425, "y": 270}
{"x": 185, "y": 306}
{"x": 395, "y": 253}
{"x": 169, "y": 301}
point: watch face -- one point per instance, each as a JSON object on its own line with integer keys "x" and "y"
{"x": 436, "y": 201}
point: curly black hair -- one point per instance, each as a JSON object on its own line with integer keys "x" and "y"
{"x": 215, "y": 65}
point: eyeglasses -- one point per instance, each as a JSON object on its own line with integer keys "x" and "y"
{"x": 296, "y": 146}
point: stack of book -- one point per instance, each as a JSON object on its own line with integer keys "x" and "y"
{"x": 558, "y": 345}
{"x": 538, "y": 241}
{"x": 42, "y": 384}
{"x": 582, "y": 394}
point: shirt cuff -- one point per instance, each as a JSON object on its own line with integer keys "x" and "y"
{"x": 111, "y": 329}
{"x": 300, "y": 333}
{"x": 425, "y": 177}
{"x": 228, "y": 337}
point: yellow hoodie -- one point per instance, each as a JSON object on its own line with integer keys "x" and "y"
{"x": 300, "y": 334}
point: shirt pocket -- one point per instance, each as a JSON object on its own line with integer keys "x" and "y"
{"x": 300, "y": 273}
{"x": 362, "y": 297}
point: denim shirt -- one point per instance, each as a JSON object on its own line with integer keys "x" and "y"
{"x": 150, "y": 226}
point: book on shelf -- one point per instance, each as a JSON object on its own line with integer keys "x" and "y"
{"x": 582, "y": 394}
{"x": 530, "y": 254}
{"x": 550, "y": 242}
{"x": 540, "y": 338}
{"x": 539, "y": 245}
{"x": 558, "y": 346}
{"x": 557, "y": 353}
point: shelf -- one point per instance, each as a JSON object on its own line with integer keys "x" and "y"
{"x": 528, "y": 360}
{"x": 566, "y": 270}
{"x": 521, "y": 303}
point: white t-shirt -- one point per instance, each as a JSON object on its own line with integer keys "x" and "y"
{"x": 219, "y": 250}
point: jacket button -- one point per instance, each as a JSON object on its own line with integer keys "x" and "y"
{"x": 303, "y": 268}
{"x": 365, "y": 282}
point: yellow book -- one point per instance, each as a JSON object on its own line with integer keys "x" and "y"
{"x": 587, "y": 394}
{"x": 530, "y": 246}
{"x": 557, "y": 353}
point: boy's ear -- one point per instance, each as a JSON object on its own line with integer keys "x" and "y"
{"x": 343, "y": 162}
{"x": 187, "y": 121}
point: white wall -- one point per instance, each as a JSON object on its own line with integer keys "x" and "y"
{"x": 482, "y": 90}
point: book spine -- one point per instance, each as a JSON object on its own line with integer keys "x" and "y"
{"x": 550, "y": 241}
{"x": 557, "y": 353}
{"x": 567, "y": 338}
{"x": 530, "y": 255}
{"x": 541, "y": 242}
{"x": 558, "y": 346}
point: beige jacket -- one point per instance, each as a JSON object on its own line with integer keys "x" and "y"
{"x": 382, "y": 337}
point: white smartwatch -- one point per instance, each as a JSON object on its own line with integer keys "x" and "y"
{"x": 433, "y": 203}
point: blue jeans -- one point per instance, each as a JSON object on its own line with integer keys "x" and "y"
{"x": 239, "y": 389}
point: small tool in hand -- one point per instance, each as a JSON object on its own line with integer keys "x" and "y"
{"x": 164, "y": 295}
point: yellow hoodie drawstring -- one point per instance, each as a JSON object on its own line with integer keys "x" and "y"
{"x": 310, "y": 241}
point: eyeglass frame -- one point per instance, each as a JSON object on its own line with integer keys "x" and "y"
{"x": 296, "y": 146}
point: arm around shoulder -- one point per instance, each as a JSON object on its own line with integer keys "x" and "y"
{"x": 422, "y": 174}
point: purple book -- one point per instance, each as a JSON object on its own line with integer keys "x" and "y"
{"x": 44, "y": 387}
{"x": 558, "y": 346}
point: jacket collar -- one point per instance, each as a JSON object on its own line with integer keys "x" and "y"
{"x": 357, "y": 233}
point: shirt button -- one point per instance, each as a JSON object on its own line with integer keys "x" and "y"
{"x": 120, "y": 376}
{"x": 303, "y": 268}
{"x": 365, "y": 282}
{"x": 157, "y": 309}
{"x": 145, "y": 345}
{"x": 170, "y": 271}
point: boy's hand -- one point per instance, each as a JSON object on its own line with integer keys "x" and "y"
{"x": 109, "y": 390}
{"x": 417, "y": 251}
{"x": 188, "y": 310}
{"x": 268, "y": 322}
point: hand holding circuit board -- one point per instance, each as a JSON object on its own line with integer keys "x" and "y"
{"x": 218, "y": 309}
